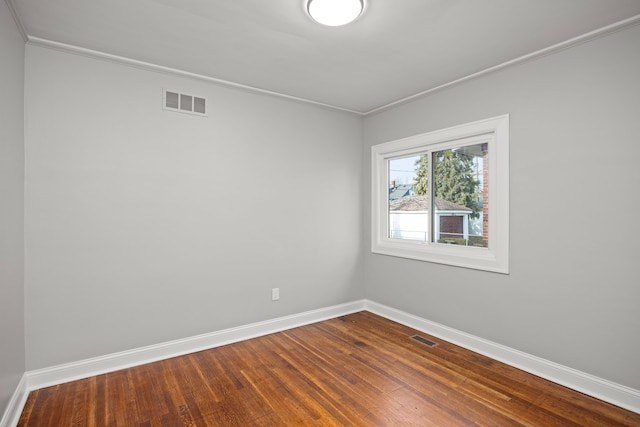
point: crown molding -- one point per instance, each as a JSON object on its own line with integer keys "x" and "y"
{"x": 64, "y": 47}
{"x": 601, "y": 32}
{"x": 16, "y": 18}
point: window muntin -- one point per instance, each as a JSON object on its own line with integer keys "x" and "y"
{"x": 407, "y": 172}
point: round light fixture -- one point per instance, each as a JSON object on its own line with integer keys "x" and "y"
{"x": 334, "y": 12}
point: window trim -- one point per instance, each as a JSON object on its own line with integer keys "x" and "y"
{"x": 495, "y": 258}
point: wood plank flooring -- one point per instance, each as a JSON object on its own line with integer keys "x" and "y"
{"x": 355, "y": 370}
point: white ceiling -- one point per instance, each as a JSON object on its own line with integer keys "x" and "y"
{"x": 395, "y": 50}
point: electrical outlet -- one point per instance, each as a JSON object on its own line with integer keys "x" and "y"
{"x": 275, "y": 294}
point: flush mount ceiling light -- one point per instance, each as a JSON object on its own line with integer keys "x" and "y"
{"x": 334, "y": 12}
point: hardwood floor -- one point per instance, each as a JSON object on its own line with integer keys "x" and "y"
{"x": 355, "y": 370}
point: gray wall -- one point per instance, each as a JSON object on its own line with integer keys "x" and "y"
{"x": 12, "y": 360}
{"x": 573, "y": 293}
{"x": 144, "y": 225}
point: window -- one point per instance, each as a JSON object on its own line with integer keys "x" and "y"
{"x": 443, "y": 196}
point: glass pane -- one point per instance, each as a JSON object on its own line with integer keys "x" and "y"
{"x": 408, "y": 209}
{"x": 461, "y": 195}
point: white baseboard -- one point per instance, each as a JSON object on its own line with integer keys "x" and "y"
{"x": 617, "y": 394}
{"x": 112, "y": 362}
{"x": 608, "y": 391}
{"x": 16, "y": 404}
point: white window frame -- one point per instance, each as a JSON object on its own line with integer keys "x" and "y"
{"x": 495, "y": 257}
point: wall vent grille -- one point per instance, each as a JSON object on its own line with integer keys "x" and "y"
{"x": 184, "y": 103}
{"x": 424, "y": 341}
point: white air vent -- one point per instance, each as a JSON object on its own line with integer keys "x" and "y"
{"x": 176, "y": 101}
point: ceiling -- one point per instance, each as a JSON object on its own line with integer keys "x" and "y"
{"x": 395, "y": 50}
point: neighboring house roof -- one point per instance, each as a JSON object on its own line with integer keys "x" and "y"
{"x": 400, "y": 191}
{"x": 422, "y": 203}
